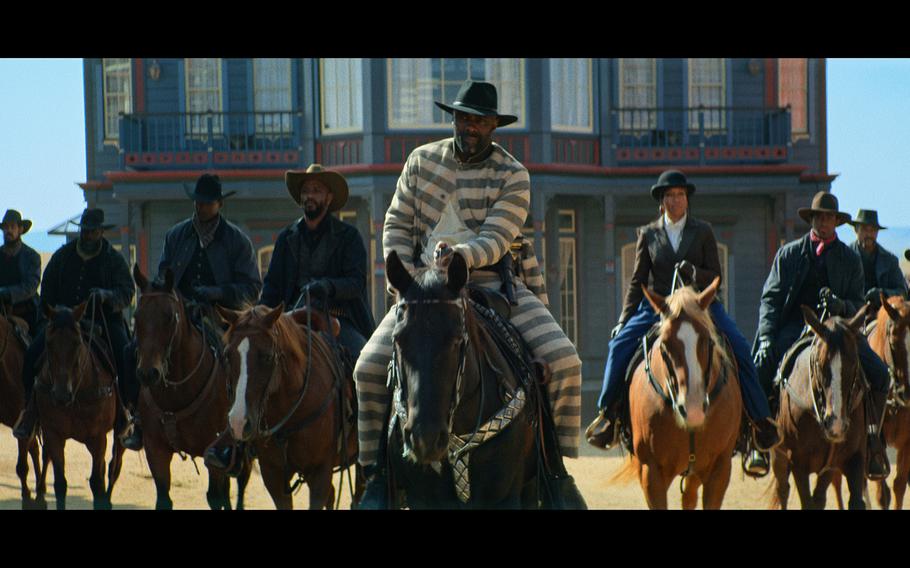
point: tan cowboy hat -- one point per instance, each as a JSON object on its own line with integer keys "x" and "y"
{"x": 336, "y": 183}
{"x": 823, "y": 202}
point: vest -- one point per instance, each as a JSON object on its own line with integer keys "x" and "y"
{"x": 198, "y": 273}
{"x": 9, "y": 269}
{"x": 816, "y": 279}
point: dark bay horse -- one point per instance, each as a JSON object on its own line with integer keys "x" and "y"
{"x": 12, "y": 401}
{"x": 463, "y": 434}
{"x": 290, "y": 403}
{"x": 690, "y": 427}
{"x": 77, "y": 399}
{"x": 822, "y": 415}
{"x": 184, "y": 397}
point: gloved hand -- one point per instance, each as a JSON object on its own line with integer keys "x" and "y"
{"x": 210, "y": 294}
{"x": 616, "y": 329}
{"x": 320, "y": 289}
{"x": 5, "y": 294}
{"x": 687, "y": 270}
{"x": 873, "y": 297}
{"x": 836, "y": 306}
{"x": 102, "y": 295}
{"x": 765, "y": 352}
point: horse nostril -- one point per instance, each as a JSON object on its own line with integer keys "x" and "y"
{"x": 682, "y": 410}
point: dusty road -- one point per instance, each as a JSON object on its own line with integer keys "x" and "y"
{"x": 135, "y": 488}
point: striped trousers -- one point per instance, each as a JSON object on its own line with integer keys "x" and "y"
{"x": 539, "y": 330}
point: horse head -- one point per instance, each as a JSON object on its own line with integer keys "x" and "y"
{"x": 894, "y": 322}
{"x": 688, "y": 344}
{"x": 429, "y": 342}
{"x": 66, "y": 351}
{"x": 157, "y": 323}
{"x": 260, "y": 338}
{"x": 834, "y": 371}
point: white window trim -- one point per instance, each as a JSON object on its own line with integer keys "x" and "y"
{"x": 722, "y": 128}
{"x": 579, "y": 129}
{"x": 622, "y": 103}
{"x": 334, "y": 131}
{"x": 289, "y": 127}
{"x": 107, "y": 139}
{"x": 218, "y": 126}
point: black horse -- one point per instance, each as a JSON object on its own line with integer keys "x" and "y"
{"x": 462, "y": 432}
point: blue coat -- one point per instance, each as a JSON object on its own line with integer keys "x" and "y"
{"x": 30, "y": 272}
{"x": 230, "y": 255}
{"x": 789, "y": 271}
{"x": 888, "y": 273}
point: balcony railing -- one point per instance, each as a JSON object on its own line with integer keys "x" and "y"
{"x": 191, "y": 139}
{"x": 701, "y": 134}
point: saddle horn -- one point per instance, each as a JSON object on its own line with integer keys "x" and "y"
{"x": 813, "y": 322}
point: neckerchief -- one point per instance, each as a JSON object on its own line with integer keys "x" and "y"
{"x": 820, "y": 243}
{"x": 205, "y": 230}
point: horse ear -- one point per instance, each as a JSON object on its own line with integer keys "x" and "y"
{"x": 458, "y": 273}
{"x": 892, "y": 312}
{"x": 79, "y": 310}
{"x": 708, "y": 294}
{"x": 228, "y": 316}
{"x": 272, "y": 317}
{"x": 140, "y": 278}
{"x": 168, "y": 279}
{"x": 856, "y": 322}
{"x": 813, "y": 322}
{"x": 658, "y": 302}
{"x": 398, "y": 276}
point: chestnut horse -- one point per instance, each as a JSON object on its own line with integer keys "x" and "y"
{"x": 184, "y": 396}
{"x": 12, "y": 400}
{"x": 289, "y": 403}
{"x": 822, "y": 415}
{"x": 685, "y": 406}
{"x": 77, "y": 399}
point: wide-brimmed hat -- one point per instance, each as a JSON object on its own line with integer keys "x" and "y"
{"x": 208, "y": 189}
{"x": 668, "y": 179}
{"x": 823, "y": 202}
{"x": 907, "y": 254}
{"x": 13, "y": 216}
{"x": 93, "y": 219}
{"x": 477, "y": 97}
{"x": 336, "y": 183}
{"x": 866, "y": 217}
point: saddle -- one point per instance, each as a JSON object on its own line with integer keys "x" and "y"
{"x": 318, "y": 321}
{"x": 20, "y": 330}
{"x": 490, "y": 299}
{"x": 789, "y": 359}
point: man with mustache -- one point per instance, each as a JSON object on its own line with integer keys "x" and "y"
{"x": 20, "y": 271}
{"x": 880, "y": 268}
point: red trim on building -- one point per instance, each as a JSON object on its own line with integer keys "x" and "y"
{"x": 813, "y": 178}
{"x": 139, "y": 84}
{"x": 95, "y": 185}
{"x": 771, "y": 83}
{"x": 143, "y": 252}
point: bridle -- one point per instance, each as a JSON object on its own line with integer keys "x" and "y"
{"x": 890, "y": 361}
{"x": 170, "y": 346}
{"x": 817, "y": 389}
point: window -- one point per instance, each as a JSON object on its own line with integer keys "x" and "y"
{"x": 414, "y": 85}
{"x": 568, "y": 274}
{"x": 264, "y": 256}
{"x": 707, "y": 88}
{"x": 272, "y": 95}
{"x": 118, "y": 89}
{"x": 638, "y": 90}
{"x": 570, "y": 95}
{"x": 793, "y": 91}
{"x": 341, "y": 88}
{"x": 203, "y": 95}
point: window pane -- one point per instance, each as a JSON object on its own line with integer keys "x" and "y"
{"x": 570, "y": 94}
{"x": 117, "y": 94}
{"x": 638, "y": 90}
{"x": 272, "y": 95}
{"x": 342, "y": 95}
{"x": 707, "y": 88}
{"x": 203, "y": 94}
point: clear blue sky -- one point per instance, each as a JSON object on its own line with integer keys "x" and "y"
{"x": 42, "y": 120}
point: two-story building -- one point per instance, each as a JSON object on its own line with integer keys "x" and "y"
{"x": 594, "y": 134}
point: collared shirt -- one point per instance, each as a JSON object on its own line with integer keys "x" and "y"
{"x": 674, "y": 230}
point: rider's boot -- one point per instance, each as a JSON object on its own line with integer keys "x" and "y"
{"x": 225, "y": 454}
{"x": 877, "y": 466}
{"x": 376, "y": 493}
{"x": 603, "y": 432}
{"x": 131, "y": 437}
{"x": 27, "y": 423}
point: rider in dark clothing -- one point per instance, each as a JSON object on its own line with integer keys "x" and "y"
{"x": 881, "y": 269}
{"x": 86, "y": 269}
{"x": 20, "y": 272}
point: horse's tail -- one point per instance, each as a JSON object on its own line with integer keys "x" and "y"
{"x": 628, "y": 473}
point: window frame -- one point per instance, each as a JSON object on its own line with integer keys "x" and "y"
{"x": 283, "y": 129}
{"x": 107, "y": 137}
{"x": 794, "y": 133}
{"x": 568, "y": 236}
{"x": 589, "y": 129}
{"x": 693, "y": 111}
{"x": 354, "y": 98}
{"x": 218, "y": 127}
{"x": 652, "y": 123}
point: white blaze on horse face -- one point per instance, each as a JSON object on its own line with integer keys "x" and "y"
{"x": 695, "y": 391}
{"x": 836, "y": 401}
{"x": 237, "y": 416}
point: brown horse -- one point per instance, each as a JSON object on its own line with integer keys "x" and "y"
{"x": 184, "y": 396}
{"x": 12, "y": 400}
{"x": 891, "y": 342}
{"x": 685, "y": 406}
{"x": 821, "y": 416}
{"x": 77, "y": 399}
{"x": 289, "y": 403}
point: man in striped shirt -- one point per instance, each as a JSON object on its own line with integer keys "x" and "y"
{"x": 470, "y": 194}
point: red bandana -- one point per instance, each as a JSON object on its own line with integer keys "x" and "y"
{"x": 822, "y": 243}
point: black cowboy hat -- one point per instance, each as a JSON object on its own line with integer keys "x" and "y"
{"x": 477, "y": 97}
{"x": 208, "y": 189}
{"x": 13, "y": 216}
{"x": 336, "y": 183}
{"x": 668, "y": 179}
{"x": 93, "y": 219}
{"x": 907, "y": 254}
{"x": 823, "y": 202}
{"x": 866, "y": 217}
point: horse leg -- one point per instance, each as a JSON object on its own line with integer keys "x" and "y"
{"x": 836, "y": 479}
{"x": 218, "y": 494}
{"x": 322, "y": 492}
{"x": 716, "y": 485}
{"x": 22, "y": 472}
{"x": 780, "y": 467}
{"x": 855, "y": 471}
{"x": 276, "y": 481}
{"x": 801, "y": 477}
{"x": 246, "y": 469}
{"x": 360, "y": 484}
{"x": 54, "y": 445}
{"x": 820, "y": 494}
{"x": 113, "y": 470}
{"x": 159, "y": 460}
{"x": 690, "y": 492}
{"x": 41, "y": 490}
{"x": 97, "y": 447}
{"x": 654, "y": 485}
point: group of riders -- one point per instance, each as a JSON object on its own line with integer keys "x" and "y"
{"x": 463, "y": 195}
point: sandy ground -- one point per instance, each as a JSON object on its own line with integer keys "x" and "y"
{"x": 136, "y": 490}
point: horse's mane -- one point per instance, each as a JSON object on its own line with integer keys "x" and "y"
{"x": 286, "y": 332}
{"x": 686, "y": 300}
{"x": 882, "y": 318}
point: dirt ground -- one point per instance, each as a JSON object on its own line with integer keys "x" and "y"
{"x": 136, "y": 490}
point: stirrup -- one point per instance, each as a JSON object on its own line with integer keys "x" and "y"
{"x": 754, "y": 473}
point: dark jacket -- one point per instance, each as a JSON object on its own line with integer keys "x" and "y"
{"x": 789, "y": 271}
{"x": 230, "y": 256}
{"x": 114, "y": 276}
{"x": 888, "y": 275}
{"x": 339, "y": 257}
{"x": 655, "y": 260}
{"x": 30, "y": 272}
